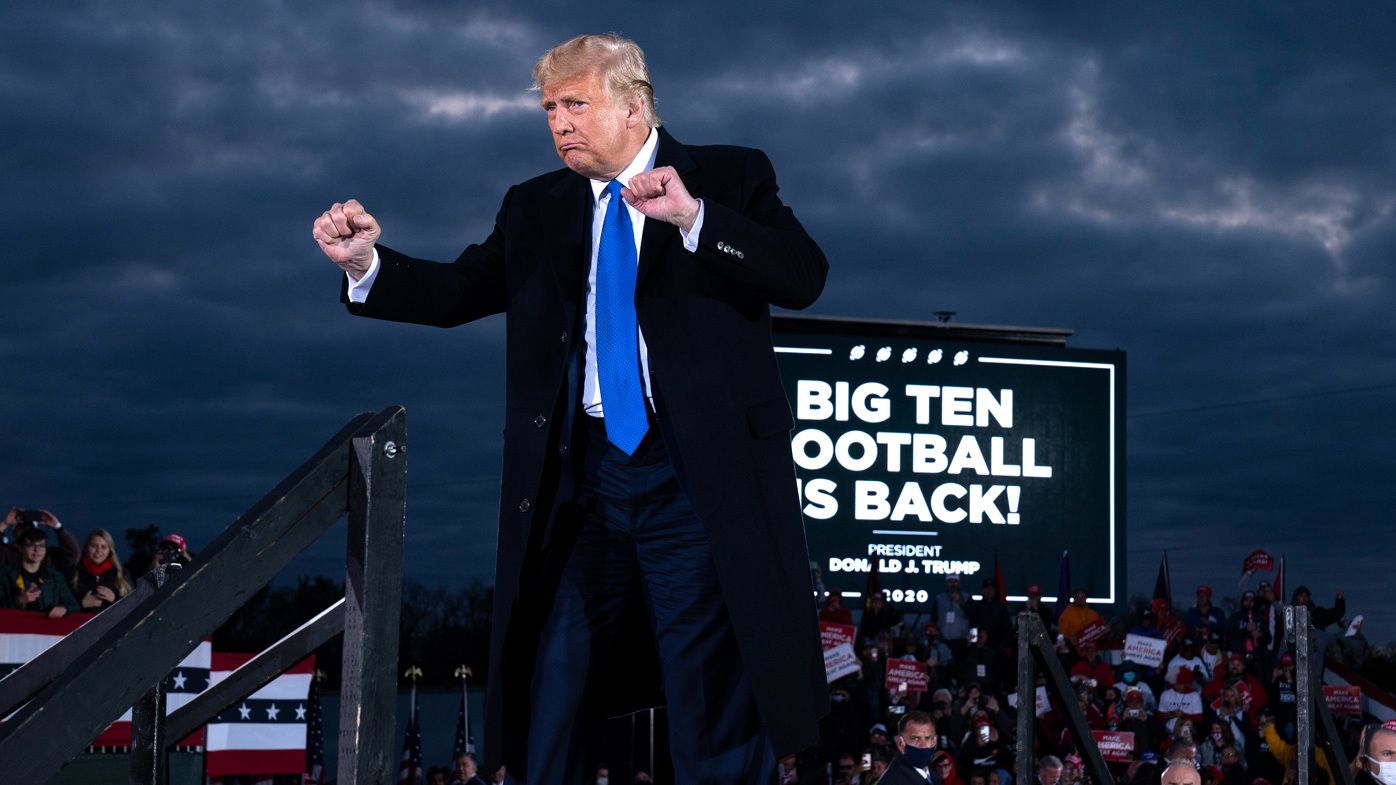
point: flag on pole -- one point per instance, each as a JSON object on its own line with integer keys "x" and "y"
{"x": 1064, "y": 585}
{"x": 465, "y": 741}
{"x": 410, "y": 772}
{"x": 998, "y": 580}
{"x": 874, "y": 585}
{"x": 1163, "y": 587}
{"x": 314, "y": 739}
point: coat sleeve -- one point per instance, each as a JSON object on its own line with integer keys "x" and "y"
{"x": 436, "y": 293}
{"x": 762, "y": 247}
{"x": 67, "y": 550}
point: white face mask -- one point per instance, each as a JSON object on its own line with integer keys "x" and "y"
{"x": 1386, "y": 771}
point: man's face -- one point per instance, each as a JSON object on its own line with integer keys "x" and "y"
{"x": 1383, "y": 750}
{"x": 952, "y": 585}
{"x": 1229, "y": 757}
{"x": 436, "y": 778}
{"x": 1302, "y": 598}
{"x": 1070, "y": 772}
{"x": 917, "y": 734}
{"x": 1203, "y": 599}
{"x": 1050, "y": 776}
{"x": 847, "y": 767}
{"x": 32, "y": 552}
{"x": 942, "y": 766}
{"x": 594, "y": 136}
{"x": 1235, "y": 667}
{"x": 464, "y": 768}
{"x": 1079, "y": 599}
{"x": 1247, "y": 602}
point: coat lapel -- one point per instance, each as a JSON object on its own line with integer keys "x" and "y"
{"x": 658, "y": 234}
{"x": 565, "y": 214}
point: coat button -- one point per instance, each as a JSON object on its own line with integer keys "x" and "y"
{"x": 524, "y": 505}
{"x": 540, "y": 421}
{"x": 564, "y": 336}
{"x": 740, "y": 255}
{"x": 562, "y": 449}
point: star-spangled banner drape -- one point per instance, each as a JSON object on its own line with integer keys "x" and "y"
{"x": 266, "y": 732}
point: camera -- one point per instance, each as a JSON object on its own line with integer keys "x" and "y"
{"x": 29, "y": 516}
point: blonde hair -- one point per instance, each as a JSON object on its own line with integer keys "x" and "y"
{"x": 123, "y": 587}
{"x": 619, "y": 60}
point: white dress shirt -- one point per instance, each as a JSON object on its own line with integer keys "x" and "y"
{"x": 591, "y": 390}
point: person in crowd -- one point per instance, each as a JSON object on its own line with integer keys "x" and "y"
{"x": 1213, "y": 656}
{"x": 32, "y": 585}
{"x": 464, "y": 770}
{"x": 173, "y": 550}
{"x": 1350, "y": 649}
{"x": 879, "y": 617}
{"x": 1071, "y": 769}
{"x": 983, "y": 749}
{"x": 980, "y": 663}
{"x": 1211, "y": 775}
{"x": 98, "y": 580}
{"x": 1247, "y": 629}
{"x": 990, "y": 616}
{"x": 641, "y": 776}
{"x": 1132, "y": 678}
{"x": 1283, "y": 749}
{"x": 940, "y": 661}
{"x": 1250, "y": 689}
{"x": 1233, "y": 766}
{"x": 1034, "y": 605}
{"x": 1000, "y": 777}
{"x": 436, "y": 775}
{"x": 943, "y": 765}
{"x": 16, "y": 520}
{"x": 1169, "y": 626}
{"x": 1145, "y": 626}
{"x": 1321, "y": 617}
{"x": 834, "y": 610}
{"x": 1230, "y": 707}
{"x": 876, "y": 768}
{"x": 1185, "y": 660}
{"x": 1375, "y": 763}
{"x": 878, "y": 744}
{"x": 603, "y": 774}
{"x": 1282, "y": 691}
{"x": 1218, "y": 734}
{"x": 979, "y": 777}
{"x": 847, "y": 769}
{"x": 1182, "y": 750}
{"x": 1075, "y": 618}
{"x": 951, "y": 616}
{"x": 1143, "y": 771}
{"x": 1181, "y": 773}
{"x": 1049, "y": 770}
{"x": 1204, "y": 617}
{"x": 1180, "y": 700}
{"x": 1091, "y": 668}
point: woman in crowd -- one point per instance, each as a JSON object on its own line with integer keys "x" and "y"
{"x": 98, "y": 579}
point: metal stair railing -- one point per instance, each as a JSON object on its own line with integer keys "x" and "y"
{"x": 119, "y": 660}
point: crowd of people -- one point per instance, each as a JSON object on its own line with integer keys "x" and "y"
{"x": 1222, "y": 700}
{"x": 60, "y": 577}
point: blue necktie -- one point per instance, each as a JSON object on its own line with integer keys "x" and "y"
{"x": 617, "y": 345}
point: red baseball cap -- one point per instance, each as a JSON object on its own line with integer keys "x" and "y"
{"x": 1033, "y": 588}
{"x": 1237, "y": 656}
{"x": 173, "y": 538}
{"x": 1185, "y": 676}
{"x": 1286, "y": 660}
{"x": 1204, "y": 589}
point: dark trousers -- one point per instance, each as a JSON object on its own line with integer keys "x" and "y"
{"x": 640, "y": 549}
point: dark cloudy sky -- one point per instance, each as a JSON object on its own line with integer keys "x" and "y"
{"x": 1207, "y": 186}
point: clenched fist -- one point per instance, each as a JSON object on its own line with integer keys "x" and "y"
{"x": 660, "y": 194}
{"x": 346, "y": 233}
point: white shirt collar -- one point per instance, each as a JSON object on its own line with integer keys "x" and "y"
{"x": 643, "y": 162}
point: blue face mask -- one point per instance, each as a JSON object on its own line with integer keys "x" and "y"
{"x": 920, "y": 757}
{"x": 1129, "y": 676}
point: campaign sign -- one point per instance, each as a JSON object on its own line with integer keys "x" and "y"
{"x": 832, "y": 634}
{"x": 908, "y": 672}
{"x": 1343, "y": 700}
{"x": 1114, "y": 745}
{"x": 1258, "y": 560}
{"x": 840, "y": 661}
{"x": 1145, "y": 650}
{"x": 1093, "y": 632}
{"x": 923, "y": 450}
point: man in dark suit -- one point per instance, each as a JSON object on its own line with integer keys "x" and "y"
{"x": 916, "y": 745}
{"x": 648, "y": 526}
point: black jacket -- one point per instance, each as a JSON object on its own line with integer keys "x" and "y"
{"x": 721, "y": 409}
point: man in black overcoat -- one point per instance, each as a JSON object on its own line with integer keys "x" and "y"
{"x": 916, "y": 745}
{"x": 656, "y": 540}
